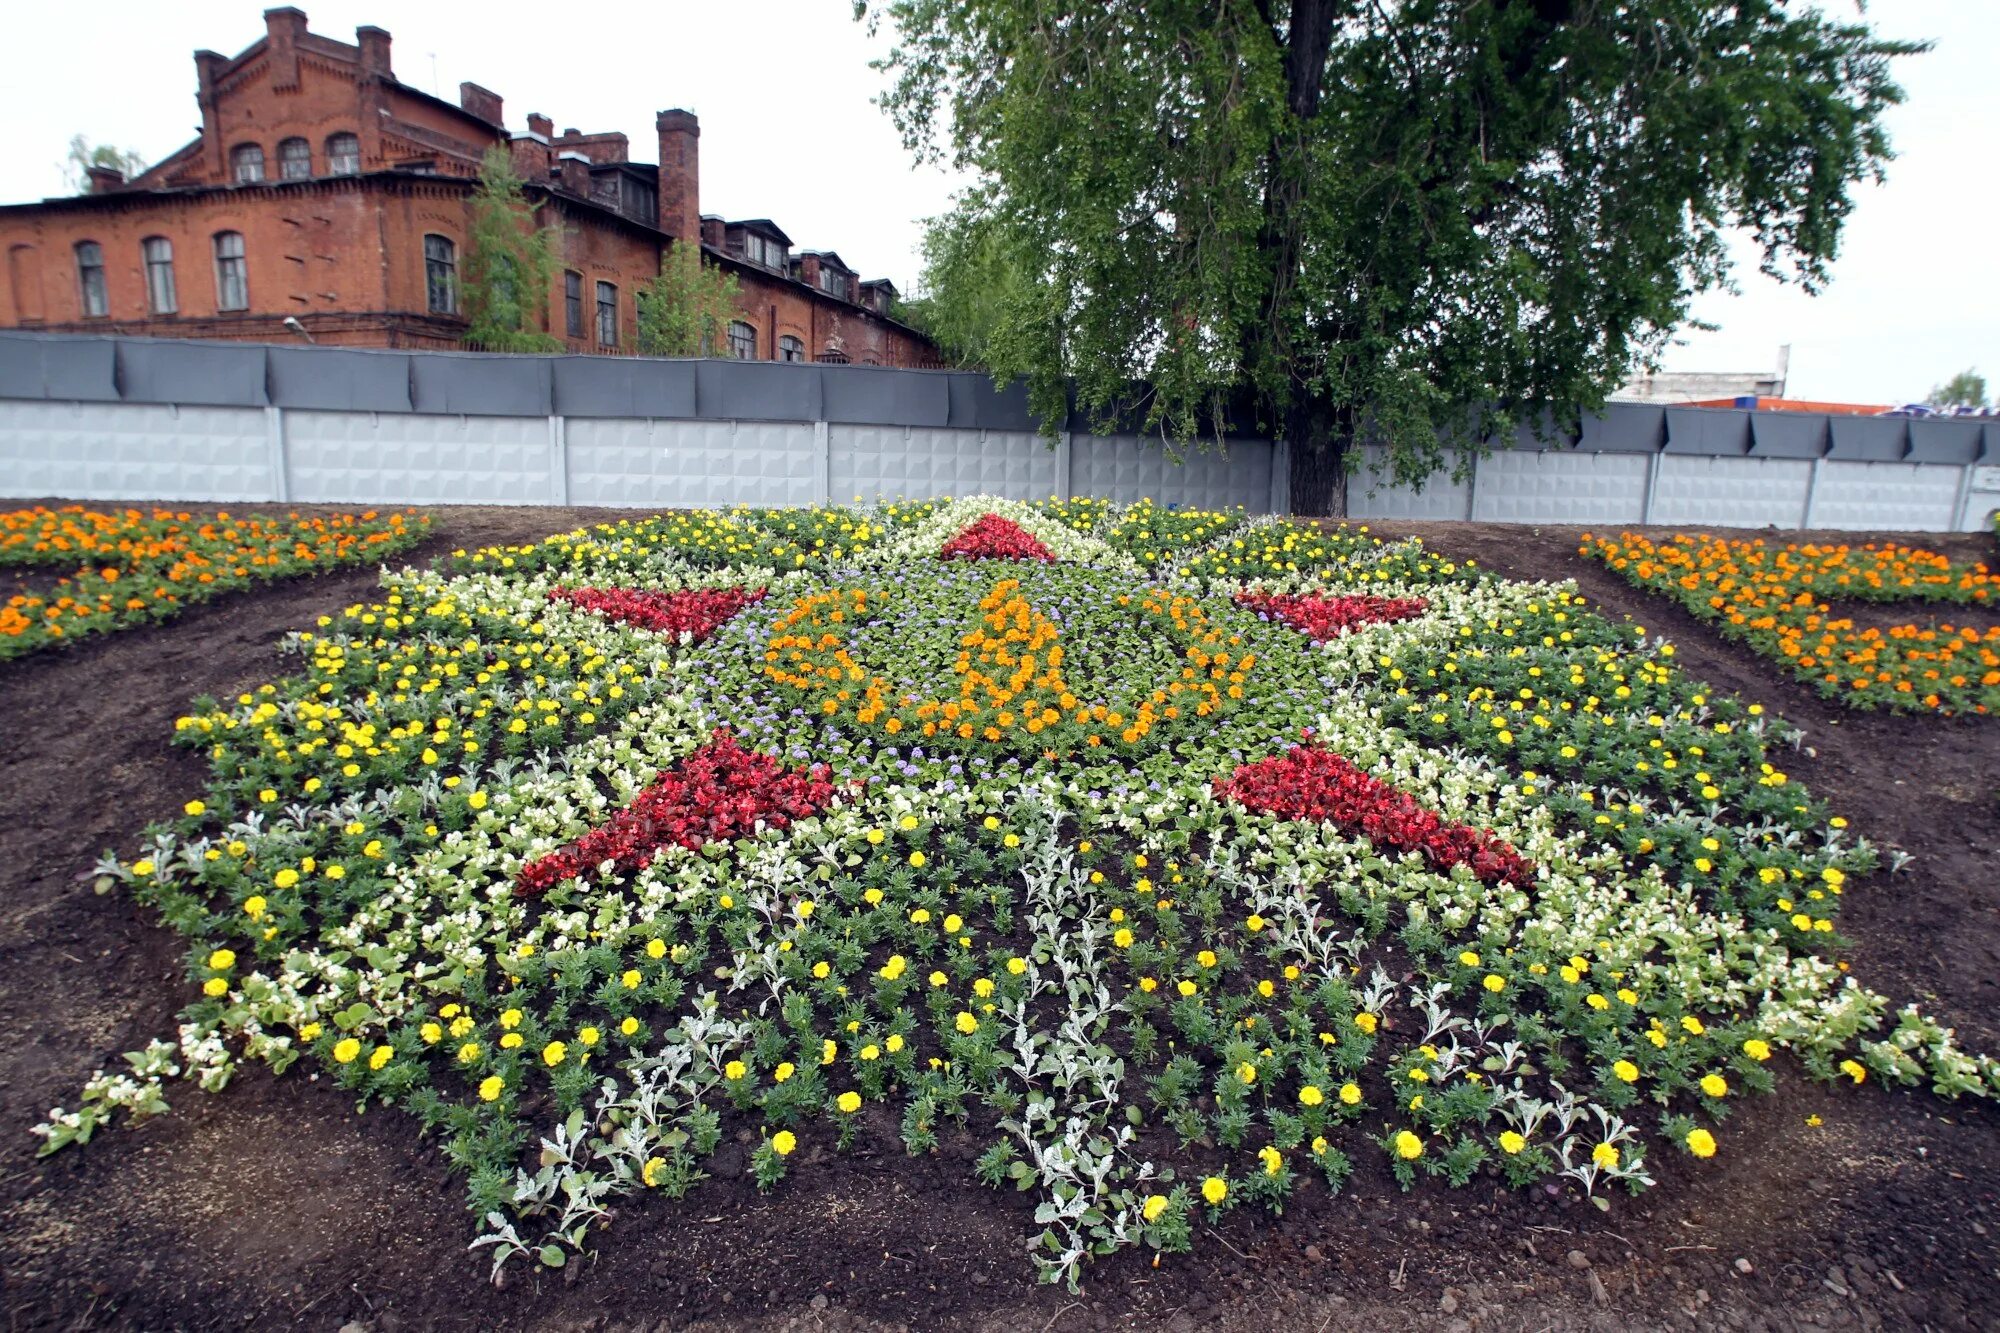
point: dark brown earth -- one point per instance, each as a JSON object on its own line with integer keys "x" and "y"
{"x": 273, "y": 1205}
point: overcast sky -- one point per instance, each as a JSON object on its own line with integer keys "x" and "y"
{"x": 790, "y": 132}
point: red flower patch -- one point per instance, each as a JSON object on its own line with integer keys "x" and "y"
{"x": 995, "y": 538}
{"x": 698, "y": 612}
{"x": 1311, "y": 783}
{"x": 717, "y": 793}
{"x": 1325, "y": 618}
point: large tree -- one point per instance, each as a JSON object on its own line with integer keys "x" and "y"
{"x": 1403, "y": 221}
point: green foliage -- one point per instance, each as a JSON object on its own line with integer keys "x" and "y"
{"x": 687, "y": 308}
{"x": 509, "y": 264}
{"x": 1406, "y": 222}
{"x": 83, "y": 155}
{"x": 1965, "y": 389}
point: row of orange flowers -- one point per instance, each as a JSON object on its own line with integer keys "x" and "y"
{"x": 133, "y": 566}
{"x": 1775, "y": 597}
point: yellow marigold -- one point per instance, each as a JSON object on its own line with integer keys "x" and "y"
{"x": 490, "y": 1088}
{"x": 1626, "y": 1071}
{"x": 1408, "y": 1146}
{"x": 1511, "y": 1143}
{"x": 1310, "y": 1096}
{"x": 783, "y": 1142}
{"x": 215, "y": 986}
{"x": 346, "y": 1049}
{"x": 222, "y": 960}
{"x": 1853, "y": 1069}
{"x": 1494, "y": 982}
{"x": 735, "y": 1069}
{"x": 1757, "y": 1049}
{"x": 1366, "y": 1021}
{"x": 1350, "y": 1094}
{"x": 1155, "y": 1205}
{"x": 966, "y": 1023}
{"x": 1605, "y": 1155}
{"x": 1701, "y": 1143}
{"x": 380, "y": 1056}
{"x": 553, "y": 1053}
{"x": 1215, "y": 1189}
{"x": 848, "y": 1102}
{"x": 1715, "y": 1085}
{"x": 1273, "y": 1160}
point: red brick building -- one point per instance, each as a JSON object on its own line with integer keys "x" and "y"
{"x": 325, "y": 198}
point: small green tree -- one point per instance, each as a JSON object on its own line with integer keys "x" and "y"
{"x": 971, "y": 285}
{"x": 687, "y": 307}
{"x": 1965, "y": 389}
{"x": 83, "y": 155}
{"x": 509, "y": 264}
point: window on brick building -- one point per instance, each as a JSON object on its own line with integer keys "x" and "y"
{"x": 763, "y": 250}
{"x": 607, "y": 315}
{"x": 833, "y": 282}
{"x": 232, "y": 273}
{"x": 441, "y": 275}
{"x": 247, "y": 161}
{"x": 295, "y": 160}
{"x": 573, "y": 303}
{"x": 870, "y": 359}
{"x": 742, "y": 341}
{"x": 158, "y": 253}
{"x": 791, "y": 349}
{"x": 90, "y": 279}
{"x": 832, "y": 356}
{"x": 343, "y": 155}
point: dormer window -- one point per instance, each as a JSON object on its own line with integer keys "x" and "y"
{"x": 763, "y": 250}
{"x": 833, "y": 282}
{"x": 247, "y": 163}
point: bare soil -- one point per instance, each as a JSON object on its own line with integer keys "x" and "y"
{"x": 273, "y": 1205}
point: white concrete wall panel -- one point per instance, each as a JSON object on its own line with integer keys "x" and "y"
{"x": 634, "y": 462}
{"x": 1886, "y": 497}
{"x": 923, "y": 462}
{"x": 397, "y": 457}
{"x": 134, "y": 451}
{"x": 1371, "y": 493}
{"x": 1731, "y": 492}
{"x": 1125, "y": 468}
{"x": 1560, "y": 486}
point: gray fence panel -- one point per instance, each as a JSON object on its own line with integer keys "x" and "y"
{"x": 83, "y": 370}
{"x": 1786, "y": 435}
{"x": 977, "y": 403}
{"x": 1890, "y": 497}
{"x": 1712, "y": 431}
{"x": 1125, "y": 468}
{"x": 133, "y": 451}
{"x": 335, "y": 380}
{"x": 1625, "y": 428}
{"x": 1561, "y": 486}
{"x": 757, "y": 391}
{"x": 617, "y": 386}
{"x": 192, "y": 373}
{"x": 1731, "y": 492}
{"x": 418, "y": 458}
{"x": 1869, "y": 439}
{"x": 693, "y": 464}
{"x": 473, "y": 384}
{"x": 920, "y": 463}
{"x": 1370, "y": 494}
{"x": 865, "y": 395}
{"x": 1957, "y": 441}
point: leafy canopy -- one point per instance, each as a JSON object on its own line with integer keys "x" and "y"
{"x": 685, "y": 310}
{"x": 1965, "y": 389}
{"x": 1393, "y": 218}
{"x": 509, "y": 263}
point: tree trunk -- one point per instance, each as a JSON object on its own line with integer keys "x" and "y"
{"x": 1320, "y": 443}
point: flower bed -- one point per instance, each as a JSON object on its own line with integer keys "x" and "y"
{"x": 589, "y": 898}
{"x": 132, "y": 567}
{"x": 1773, "y": 597}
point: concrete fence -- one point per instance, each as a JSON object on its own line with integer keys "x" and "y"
{"x": 119, "y": 418}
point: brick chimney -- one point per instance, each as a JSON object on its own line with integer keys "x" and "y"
{"x": 680, "y": 174}
{"x": 481, "y": 102}
{"x": 282, "y": 30}
{"x": 208, "y": 67}
{"x": 575, "y": 171}
{"x": 541, "y": 124}
{"x": 374, "y": 52}
{"x": 103, "y": 180}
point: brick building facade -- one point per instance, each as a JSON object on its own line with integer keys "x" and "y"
{"x": 325, "y": 198}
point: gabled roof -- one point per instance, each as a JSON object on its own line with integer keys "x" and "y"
{"x": 763, "y": 226}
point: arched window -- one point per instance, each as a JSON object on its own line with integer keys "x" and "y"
{"x": 232, "y": 272}
{"x": 573, "y": 303}
{"x": 791, "y": 349}
{"x": 90, "y": 279}
{"x": 295, "y": 160}
{"x": 441, "y": 275}
{"x": 742, "y": 341}
{"x": 158, "y": 252}
{"x": 343, "y": 155}
{"x": 832, "y": 356}
{"x": 607, "y": 314}
{"x": 247, "y": 161}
